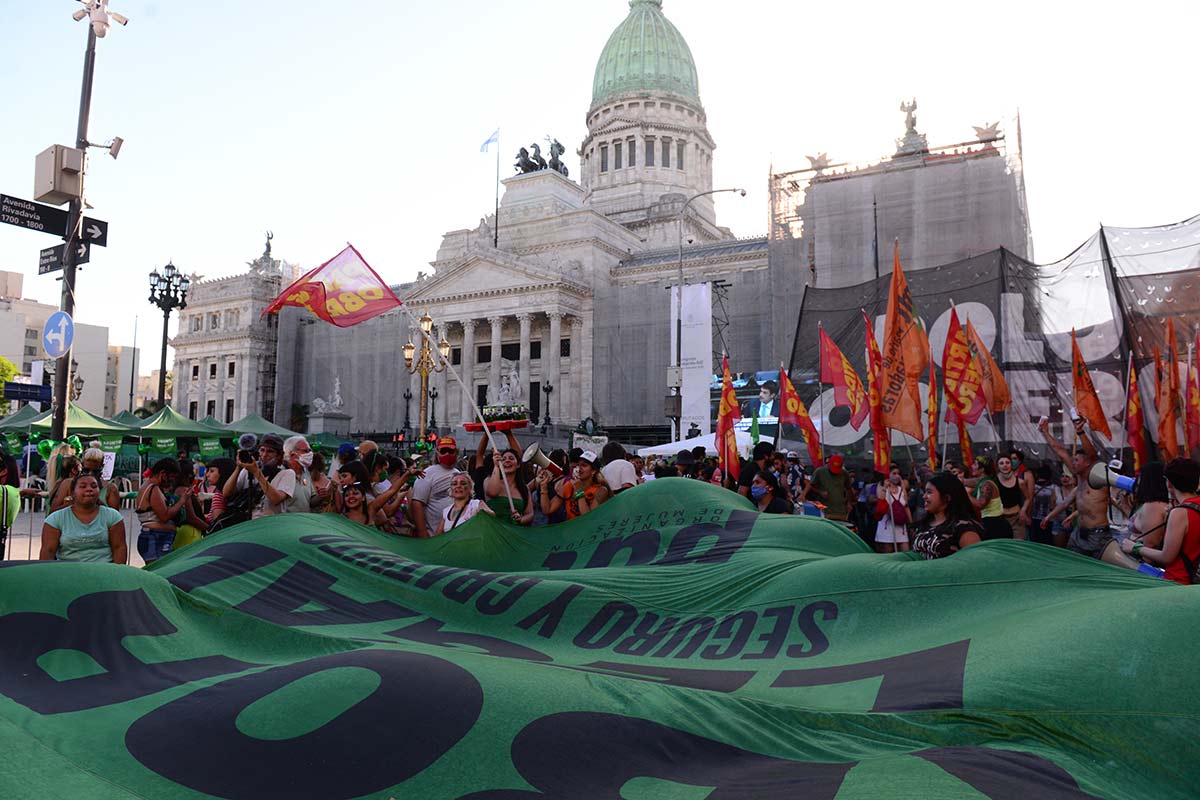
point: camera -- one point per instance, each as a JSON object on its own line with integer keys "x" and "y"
{"x": 247, "y": 443}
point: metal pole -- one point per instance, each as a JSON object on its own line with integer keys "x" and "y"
{"x": 62, "y": 377}
{"x": 496, "y": 226}
{"x": 424, "y": 371}
{"x": 133, "y": 366}
{"x": 162, "y": 368}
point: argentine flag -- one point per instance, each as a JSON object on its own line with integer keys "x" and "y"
{"x": 493, "y": 139}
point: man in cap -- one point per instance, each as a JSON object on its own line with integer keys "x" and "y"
{"x": 431, "y": 493}
{"x": 831, "y": 484}
{"x": 345, "y": 453}
{"x": 271, "y": 486}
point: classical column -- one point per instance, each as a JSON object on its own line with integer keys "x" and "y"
{"x": 497, "y": 324}
{"x": 468, "y": 367}
{"x": 522, "y": 391}
{"x": 551, "y": 366}
{"x": 577, "y": 400}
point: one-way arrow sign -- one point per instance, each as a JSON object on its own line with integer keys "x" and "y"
{"x": 51, "y": 259}
{"x": 95, "y": 231}
{"x": 48, "y": 219}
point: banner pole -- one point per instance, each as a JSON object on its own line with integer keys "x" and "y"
{"x": 1128, "y": 381}
{"x": 28, "y": 463}
{"x": 470, "y": 399}
{"x": 496, "y": 226}
{"x": 778, "y": 417}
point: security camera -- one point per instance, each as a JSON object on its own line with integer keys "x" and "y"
{"x": 80, "y": 14}
{"x": 120, "y": 19}
{"x": 115, "y": 147}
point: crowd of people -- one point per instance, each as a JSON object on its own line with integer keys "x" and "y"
{"x": 1154, "y": 528}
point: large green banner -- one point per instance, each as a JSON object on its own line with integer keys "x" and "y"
{"x": 673, "y": 644}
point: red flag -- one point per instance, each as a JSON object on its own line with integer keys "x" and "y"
{"x": 1172, "y": 350}
{"x": 1086, "y": 400}
{"x": 995, "y": 388}
{"x": 964, "y": 442}
{"x": 1135, "y": 424}
{"x": 343, "y": 291}
{"x": 905, "y": 348}
{"x": 960, "y": 375}
{"x": 1191, "y": 400}
{"x": 726, "y": 438}
{"x": 883, "y": 438}
{"x": 932, "y": 417}
{"x": 793, "y": 412}
{"x": 837, "y": 371}
{"x": 1164, "y": 401}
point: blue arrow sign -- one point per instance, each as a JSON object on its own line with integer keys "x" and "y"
{"x": 58, "y": 334}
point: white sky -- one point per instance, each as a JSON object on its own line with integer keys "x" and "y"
{"x": 362, "y": 121}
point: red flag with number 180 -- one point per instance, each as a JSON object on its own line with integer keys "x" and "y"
{"x": 343, "y": 291}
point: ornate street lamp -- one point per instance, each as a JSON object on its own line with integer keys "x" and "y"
{"x": 433, "y": 396}
{"x": 546, "y": 420}
{"x": 76, "y": 386}
{"x": 422, "y": 361}
{"x": 408, "y": 396}
{"x": 168, "y": 291}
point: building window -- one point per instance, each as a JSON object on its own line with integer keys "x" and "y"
{"x": 617, "y": 148}
{"x": 210, "y": 408}
{"x": 666, "y": 152}
{"x": 193, "y": 407}
{"x": 481, "y": 395}
{"x": 456, "y": 356}
{"x": 214, "y": 320}
{"x": 535, "y": 350}
{"x": 633, "y": 152}
{"x": 483, "y": 354}
{"x": 231, "y": 319}
{"x": 604, "y": 158}
{"x": 30, "y": 350}
{"x": 197, "y": 323}
{"x": 229, "y": 410}
{"x": 564, "y": 348}
{"x": 649, "y": 151}
{"x": 679, "y": 155}
{"x": 31, "y": 333}
{"x": 510, "y": 351}
{"x": 230, "y": 368}
{"x": 212, "y": 371}
{"x": 27, "y": 367}
{"x": 195, "y": 372}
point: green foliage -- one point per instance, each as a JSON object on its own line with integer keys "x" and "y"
{"x": 8, "y": 371}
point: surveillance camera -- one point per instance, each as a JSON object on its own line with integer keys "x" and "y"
{"x": 80, "y": 14}
{"x": 120, "y": 19}
{"x": 115, "y": 147}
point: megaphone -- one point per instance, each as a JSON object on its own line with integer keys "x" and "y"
{"x": 1101, "y": 476}
{"x": 533, "y": 454}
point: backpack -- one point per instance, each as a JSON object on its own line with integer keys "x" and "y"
{"x": 1193, "y": 574}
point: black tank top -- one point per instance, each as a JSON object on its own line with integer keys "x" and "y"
{"x": 1010, "y": 496}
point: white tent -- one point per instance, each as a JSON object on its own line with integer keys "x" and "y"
{"x": 744, "y": 442}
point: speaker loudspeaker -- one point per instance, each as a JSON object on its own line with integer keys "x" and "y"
{"x": 534, "y": 454}
{"x": 1102, "y": 476}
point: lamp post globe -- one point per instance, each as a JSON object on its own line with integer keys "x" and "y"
{"x": 168, "y": 291}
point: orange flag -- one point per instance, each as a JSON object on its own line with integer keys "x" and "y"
{"x": 343, "y": 291}
{"x": 1135, "y": 423}
{"x": 883, "y": 439}
{"x": 1164, "y": 401}
{"x": 1086, "y": 400}
{"x": 727, "y": 415}
{"x": 793, "y": 412}
{"x": 1191, "y": 400}
{"x": 905, "y": 349}
{"x": 964, "y": 442}
{"x": 960, "y": 374}
{"x": 932, "y": 417}
{"x": 995, "y": 388}
{"x": 837, "y": 371}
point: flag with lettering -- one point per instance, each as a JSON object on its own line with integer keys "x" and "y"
{"x": 343, "y": 291}
{"x": 728, "y": 413}
{"x": 1191, "y": 400}
{"x": 1135, "y": 422}
{"x": 905, "y": 349}
{"x": 793, "y": 412}
{"x": 991, "y": 377}
{"x": 882, "y": 438}
{"x": 672, "y": 643}
{"x": 838, "y": 372}
{"x": 960, "y": 374}
{"x": 1165, "y": 405}
{"x": 1087, "y": 402}
{"x": 932, "y": 417}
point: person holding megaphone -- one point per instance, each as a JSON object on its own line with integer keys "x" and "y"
{"x": 1180, "y": 550}
{"x": 1093, "y": 534}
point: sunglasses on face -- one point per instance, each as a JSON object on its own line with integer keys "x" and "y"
{"x": 446, "y": 452}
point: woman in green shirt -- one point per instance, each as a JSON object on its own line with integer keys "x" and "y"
{"x": 986, "y": 500}
{"x": 84, "y": 530}
{"x": 508, "y": 471}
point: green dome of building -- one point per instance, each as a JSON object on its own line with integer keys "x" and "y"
{"x": 645, "y": 53}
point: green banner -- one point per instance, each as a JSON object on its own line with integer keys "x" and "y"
{"x": 163, "y": 445}
{"x": 211, "y": 448}
{"x": 110, "y": 444}
{"x": 12, "y": 444}
{"x": 674, "y": 643}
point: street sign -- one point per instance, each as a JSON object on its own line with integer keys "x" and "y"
{"x": 29, "y": 392}
{"x": 48, "y": 219}
{"x": 58, "y": 334}
{"x": 51, "y": 259}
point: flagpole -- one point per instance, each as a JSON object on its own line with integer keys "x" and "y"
{"x": 1125, "y": 427}
{"x": 496, "y": 226}
{"x": 820, "y": 391}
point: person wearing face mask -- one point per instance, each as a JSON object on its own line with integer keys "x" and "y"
{"x": 269, "y": 483}
{"x": 892, "y": 498}
{"x": 431, "y": 493}
{"x": 768, "y": 495}
{"x": 298, "y": 457}
{"x": 1180, "y": 551}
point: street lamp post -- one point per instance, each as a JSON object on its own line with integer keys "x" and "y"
{"x": 433, "y": 396}
{"x": 422, "y": 361}
{"x": 547, "y": 389}
{"x": 168, "y": 291}
{"x": 679, "y": 311}
{"x": 76, "y": 389}
{"x": 408, "y": 396}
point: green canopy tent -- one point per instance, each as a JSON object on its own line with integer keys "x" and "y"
{"x": 128, "y": 418}
{"x": 19, "y": 421}
{"x": 326, "y": 441}
{"x": 259, "y": 426}
{"x": 169, "y": 422}
{"x": 81, "y": 422}
{"x": 215, "y": 424}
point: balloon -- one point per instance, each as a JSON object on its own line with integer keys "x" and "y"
{"x": 74, "y": 442}
{"x": 44, "y": 447}
{"x": 143, "y": 449}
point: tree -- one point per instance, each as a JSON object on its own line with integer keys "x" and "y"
{"x": 8, "y": 371}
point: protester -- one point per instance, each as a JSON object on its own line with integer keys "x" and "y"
{"x": 1013, "y": 497}
{"x": 85, "y": 530}
{"x": 462, "y": 506}
{"x": 891, "y": 498}
{"x": 770, "y": 497}
{"x": 215, "y": 474}
{"x": 952, "y": 522}
{"x": 986, "y": 498}
{"x": 832, "y": 486}
{"x": 1092, "y": 534}
{"x": 504, "y": 483}
{"x": 550, "y": 495}
{"x": 794, "y": 478}
{"x": 639, "y": 467}
{"x": 1180, "y": 551}
{"x": 685, "y": 464}
{"x": 10, "y": 497}
{"x": 1147, "y": 522}
{"x": 322, "y": 486}
{"x": 190, "y": 525}
{"x": 60, "y": 474}
{"x": 361, "y": 507}
{"x": 345, "y": 452}
{"x": 156, "y": 516}
{"x": 763, "y": 456}
{"x": 298, "y": 457}
{"x": 1043, "y": 502}
{"x": 431, "y": 493}
{"x": 618, "y": 471}
{"x": 92, "y": 461}
{"x": 588, "y": 489}
{"x": 265, "y": 486}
